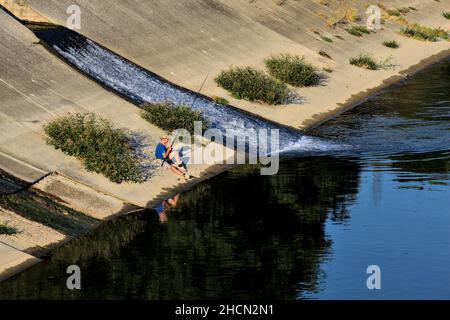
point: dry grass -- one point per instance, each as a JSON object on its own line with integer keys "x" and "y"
{"x": 341, "y": 12}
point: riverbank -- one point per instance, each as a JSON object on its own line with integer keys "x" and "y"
{"x": 33, "y": 95}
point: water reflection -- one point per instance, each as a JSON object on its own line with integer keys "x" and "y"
{"x": 237, "y": 236}
{"x": 163, "y": 209}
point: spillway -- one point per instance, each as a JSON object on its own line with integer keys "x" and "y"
{"x": 140, "y": 86}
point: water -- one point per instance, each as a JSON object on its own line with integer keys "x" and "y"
{"x": 140, "y": 86}
{"x": 309, "y": 232}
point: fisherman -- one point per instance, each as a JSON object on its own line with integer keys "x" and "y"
{"x": 170, "y": 158}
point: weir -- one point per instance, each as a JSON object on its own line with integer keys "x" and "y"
{"x": 140, "y": 86}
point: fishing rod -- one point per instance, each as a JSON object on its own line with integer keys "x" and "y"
{"x": 193, "y": 102}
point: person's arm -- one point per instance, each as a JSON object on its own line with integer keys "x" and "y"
{"x": 167, "y": 153}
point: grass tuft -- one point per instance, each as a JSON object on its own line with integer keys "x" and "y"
{"x": 357, "y": 30}
{"x": 293, "y": 70}
{"x": 94, "y": 140}
{"x": 170, "y": 116}
{"x": 420, "y": 32}
{"x": 368, "y": 62}
{"x": 253, "y": 85}
{"x": 364, "y": 61}
{"x": 391, "y": 44}
{"x": 7, "y": 230}
{"x": 220, "y": 100}
{"x": 326, "y": 39}
{"x": 446, "y": 15}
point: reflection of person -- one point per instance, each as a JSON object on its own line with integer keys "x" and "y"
{"x": 173, "y": 161}
{"x": 164, "y": 207}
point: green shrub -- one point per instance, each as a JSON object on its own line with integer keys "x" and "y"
{"x": 293, "y": 70}
{"x": 357, "y": 30}
{"x": 170, "y": 116}
{"x": 420, "y": 32}
{"x": 446, "y": 15}
{"x": 101, "y": 147}
{"x": 7, "y": 230}
{"x": 391, "y": 44}
{"x": 251, "y": 84}
{"x": 365, "y": 61}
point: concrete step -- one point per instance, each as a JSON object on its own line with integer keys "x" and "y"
{"x": 13, "y": 261}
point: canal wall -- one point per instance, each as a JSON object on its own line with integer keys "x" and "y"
{"x": 35, "y": 88}
{"x": 183, "y": 40}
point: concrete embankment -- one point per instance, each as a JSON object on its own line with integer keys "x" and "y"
{"x": 45, "y": 213}
{"x": 35, "y": 88}
{"x": 183, "y": 40}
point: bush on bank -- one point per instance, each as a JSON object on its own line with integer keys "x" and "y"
{"x": 292, "y": 70}
{"x": 253, "y": 85}
{"x": 101, "y": 147}
{"x": 170, "y": 116}
{"x": 7, "y": 230}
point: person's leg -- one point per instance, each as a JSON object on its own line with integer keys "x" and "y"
{"x": 176, "y": 156}
{"x": 176, "y": 170}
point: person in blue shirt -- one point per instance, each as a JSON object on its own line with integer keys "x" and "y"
{"x": 173, "y": 161}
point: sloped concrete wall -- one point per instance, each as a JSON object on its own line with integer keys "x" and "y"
{"x": 183, "y": 40}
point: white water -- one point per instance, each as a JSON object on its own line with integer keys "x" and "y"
{"x": 141, "y": 86}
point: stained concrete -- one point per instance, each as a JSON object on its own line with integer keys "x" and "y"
{"x": 13, "y": 261}
{"x": 82, "y": 198}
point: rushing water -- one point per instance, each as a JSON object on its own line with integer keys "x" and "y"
{"x": 140, "y": 86}
{"x": 310, "y": 231}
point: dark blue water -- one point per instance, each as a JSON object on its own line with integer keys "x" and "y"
{"x": 310, "y": 231}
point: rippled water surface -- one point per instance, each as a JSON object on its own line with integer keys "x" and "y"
{"x": 310, "y": 231}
